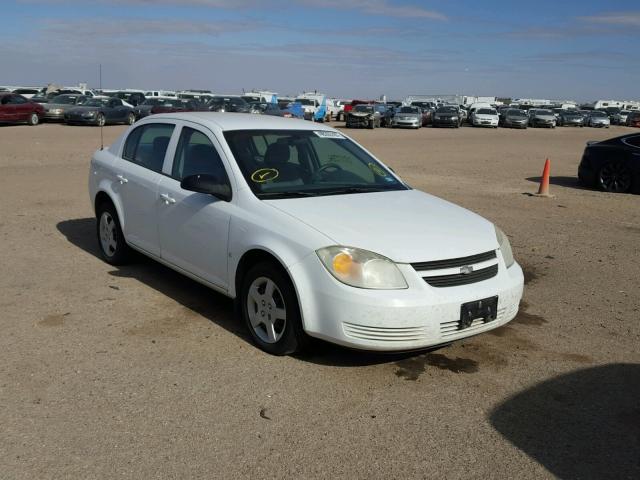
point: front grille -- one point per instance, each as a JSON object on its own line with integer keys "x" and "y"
{"x": 388, "y": 334}
{"x": 462, "y": 279}
{"x": 454, "y": 262}
{"x": 452, "y": 328}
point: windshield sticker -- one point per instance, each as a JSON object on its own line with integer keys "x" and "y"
{"x": 377, "y": 170}
{"x": 264, "y": 175}
{"x": 328, "y": 134}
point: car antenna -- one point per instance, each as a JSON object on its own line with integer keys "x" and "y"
{"x": 100, "y": 84}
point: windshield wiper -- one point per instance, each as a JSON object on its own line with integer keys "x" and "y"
{"x": 291, "y": 194}
{"x": 355, "y": 190}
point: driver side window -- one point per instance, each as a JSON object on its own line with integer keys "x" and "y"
{"x": 195, "y": 154}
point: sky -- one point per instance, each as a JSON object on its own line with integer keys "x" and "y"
{"x": 562, "y": 49}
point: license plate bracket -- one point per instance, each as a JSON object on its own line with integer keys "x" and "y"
{"x": 485, "y": 309}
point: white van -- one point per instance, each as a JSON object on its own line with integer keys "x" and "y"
{"x": 260, "y": 96}
{"x": 161, "y": 93}
{"x": 314, "y": 106}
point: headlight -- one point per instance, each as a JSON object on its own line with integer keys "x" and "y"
{"x": 361, "y": 268}
{"x": 454, "y": 118}
{"x": 437, "y": 117}
{"x": 88, "y": 114}
{"x": 505, "y": 247}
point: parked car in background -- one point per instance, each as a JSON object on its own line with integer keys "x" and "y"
{"x": 340, "y": 104}
{"x": 485, "y": 117}
{"x": 598, "y": 119}
{"x": 15, "y": 108}
{"x": 55, "y": 108}
{"x": 228, "y": 103}
{"x": 407, "y": 117}
{"x": 585, "y": 115}
{"x": 348, "y": 107}
{"x": 540, "y": 117}
{"x": 132, "y": 98}
{"x": 27, "y": 92}
{"x": 309, "y": 233}
{"x": 447, "y": 116}
{"x": 160, "y": 93}
{"x": 386, "y": 113}
{"x": 367, "y": 116}
{"x": 570, "y": 118}
{"x": 514, "y": 118}
{"x": 612, "y": 165}
{"x": 100, "y": 111}
{"x": 156, "y": 105}
{"x": 620, "y": 118}
{"x": 633, "y": 119}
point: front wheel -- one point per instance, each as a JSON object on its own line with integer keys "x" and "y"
{"x": 269, "y": 308}
{"x": 33, "y": 119}
{"x": 131, "y": 119}
{"x": 100, "y": 120}
{"x": 615, "y": 177}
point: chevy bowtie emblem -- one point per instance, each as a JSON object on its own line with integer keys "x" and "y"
{"x": 466, "y": 270}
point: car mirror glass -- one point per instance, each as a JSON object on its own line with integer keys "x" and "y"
{"x": 207, "y": 184}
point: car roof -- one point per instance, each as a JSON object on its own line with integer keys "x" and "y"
{"x": 242, "y": 121}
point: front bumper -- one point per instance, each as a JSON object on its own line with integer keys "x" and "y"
{"x": 485, "y": 123}
{"x": 358, "y": 122}
{"x": 78, "y": 119}
{"x": 418, "y": 317}
{"x": 543, "y": 123}
{"x": 445, "y": 122}
{"x": 407, "y": 123}
{"x": 53, "y": 116}
{"x": 516, "y": 123}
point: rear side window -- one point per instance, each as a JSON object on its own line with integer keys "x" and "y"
{"x": 147, "y": 145}
{"x": 196, "y": 155}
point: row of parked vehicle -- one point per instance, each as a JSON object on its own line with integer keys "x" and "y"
{"x": 421, "y": 114}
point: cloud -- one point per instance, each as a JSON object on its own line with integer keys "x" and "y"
{"x": 628, "y": 19}
{"x": 376, "y": 7}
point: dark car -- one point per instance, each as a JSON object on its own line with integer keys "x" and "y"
{"x": 386, "y": 113}
{"x": 612, "y": 165}
{"x": 155, "y": 105}
{"x": 364, "y": 116}
{"x": 570, "y": 118}
{"x": 447, "y": 117}
{"x": 132, "y": 98}
{"x": 17, "y": 109}
{"x": 55, "y": 108}
{"x": 228, "y": 104}
{"x": 633, "y": 119}
{"x": 100, "y": 111}
{"x": 514, "y": 118}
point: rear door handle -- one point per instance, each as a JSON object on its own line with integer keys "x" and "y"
{"x": 168, "y": 200}
{"x": 122, "y": 179}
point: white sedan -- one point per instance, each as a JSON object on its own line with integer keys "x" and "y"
{"x": 312, "y": 235}
{"x": 485, "y": 117}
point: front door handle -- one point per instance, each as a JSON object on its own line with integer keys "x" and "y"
{"x": 122, "y": 179}
{"x": 168, "y": 200}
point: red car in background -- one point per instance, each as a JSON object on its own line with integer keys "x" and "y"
{"x": 633, "y": 119}
{"x": 16, "y": 109}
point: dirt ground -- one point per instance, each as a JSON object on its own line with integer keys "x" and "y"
{"x": 138, "y": 372}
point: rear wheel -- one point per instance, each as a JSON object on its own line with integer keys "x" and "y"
{"x": 33, "y": 119}
{"x": 615, "y": 177}
{"x": 269, "y": 308}
{"x": 113, "y": 248}
{"x": 131, "y": 118}
{"x": 101, "y": 120}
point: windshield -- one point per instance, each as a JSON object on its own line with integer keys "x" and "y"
{"x": 300, "y": 163}
{"x": 486, "y": 111}
{"x": 97, "y": 102}
{"x": 516, "y": 113}
{"x": 304, "y": 101}
{"x": 68, "y": 99}
{"x": 544, "y": 112}
{"x": 447, "y": 110}
{"x": 252, "y": 98}
{"x": 156, "y": 101}
{"x": 363, "y": 108}
{"x": 409, "y": 110}
{"x": 598, "y": 114}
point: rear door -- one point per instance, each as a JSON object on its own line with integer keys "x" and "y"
{"x": 22, "y": 108}
{"x": 138, "y": 173}
{"x": 7, "y": 109}
{"x": 194, "y": 227}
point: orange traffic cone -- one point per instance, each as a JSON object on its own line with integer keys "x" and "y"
{"x": 543, "y": 191}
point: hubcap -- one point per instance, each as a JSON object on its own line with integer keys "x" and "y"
{"x": 615, "y": 177}
{"x": 108, "y": 234}
{"x": 266, "y": 310}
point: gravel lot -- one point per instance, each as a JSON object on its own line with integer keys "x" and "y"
{"x": 138, "y": 372}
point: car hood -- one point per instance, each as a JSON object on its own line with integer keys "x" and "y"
{"x": 361, "y": 114}
{"x": 545, "y": 117}
{"x": 411, "y": 115}
{"x": 486, "y": 116}
{"x": 405, "y": 226}
{"x": 600, "y": 119}
{"x": 83, "y": 109}
{"x": 53, "y": 106}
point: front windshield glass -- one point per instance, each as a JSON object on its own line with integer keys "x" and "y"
{"x": 155, "y": 101}
{"x": 304, "y": 101}
{"x": 409, "y": 110}
{"x": 447, "y": 110}
{"x": 598, "y": 114}
{"x": 97, "y": 102}
{"x": 544, "y": 112}
{"x": 516, "y": 113}
{"x": 363, "y": 108}
{"x": 67, "y": 99}
{"x": 486, "y": 111}
{"x": 300, "y": 163}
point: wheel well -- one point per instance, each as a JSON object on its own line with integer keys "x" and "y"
{"x": 101, "y": 198}
{"x": 251, "y": 258}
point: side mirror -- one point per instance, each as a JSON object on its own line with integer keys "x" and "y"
{"x": 207, "y": 184}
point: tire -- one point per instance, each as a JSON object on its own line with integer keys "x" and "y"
{"x": 372, "y": 124}
{"x": 100, "y": 120}
{"x": 273, "y": 319}
{"x": 615, "y": 177}
{"x": 33, "y": 119}
{"x": 113, "y": 247}
{"x": 131, "y": 119}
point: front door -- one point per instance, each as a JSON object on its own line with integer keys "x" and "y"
{"x": 194, "y": 227}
